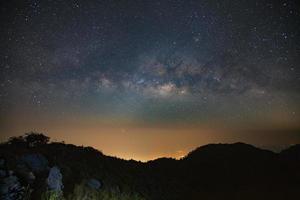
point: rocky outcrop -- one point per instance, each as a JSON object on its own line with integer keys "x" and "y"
{"x": 54, "y": 180}
{"x": 10, "y": 187}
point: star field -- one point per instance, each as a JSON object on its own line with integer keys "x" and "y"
{"x": 150, "y": 63}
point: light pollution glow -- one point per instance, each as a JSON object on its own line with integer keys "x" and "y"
{"x": 132, "y": 140}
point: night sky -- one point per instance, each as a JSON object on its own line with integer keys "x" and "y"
{"x": 145, "y": 79}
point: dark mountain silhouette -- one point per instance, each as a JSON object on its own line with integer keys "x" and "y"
{"x": 214, "y": 171}
{"x": 292, "y": 153}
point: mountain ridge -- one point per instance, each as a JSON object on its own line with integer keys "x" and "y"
{"x": 213, "y": 171}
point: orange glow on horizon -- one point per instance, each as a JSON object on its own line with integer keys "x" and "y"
{"x": 129, "y": 139}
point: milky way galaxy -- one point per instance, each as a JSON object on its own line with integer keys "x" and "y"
{"x": 144, "y": 79}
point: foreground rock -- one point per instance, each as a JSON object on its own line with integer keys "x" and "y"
{"x": 10, "y": 188}
{"x": 54, "y": 180}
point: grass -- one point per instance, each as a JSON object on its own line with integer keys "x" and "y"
{"x": 82, "y": 192}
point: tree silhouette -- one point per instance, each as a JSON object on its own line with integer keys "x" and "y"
{"x": 35, "y": 139}
{"x": 17, "y": 141}
{"x": 30, "y": 139}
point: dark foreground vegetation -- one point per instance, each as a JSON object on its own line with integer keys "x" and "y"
{"x": 33, "y": 168}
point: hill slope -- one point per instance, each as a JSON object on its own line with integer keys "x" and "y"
{"x": 215, "y": 171}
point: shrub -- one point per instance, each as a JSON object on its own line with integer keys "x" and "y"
{"x": 82, "y": 192}
{"x": 51, "y": 195}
